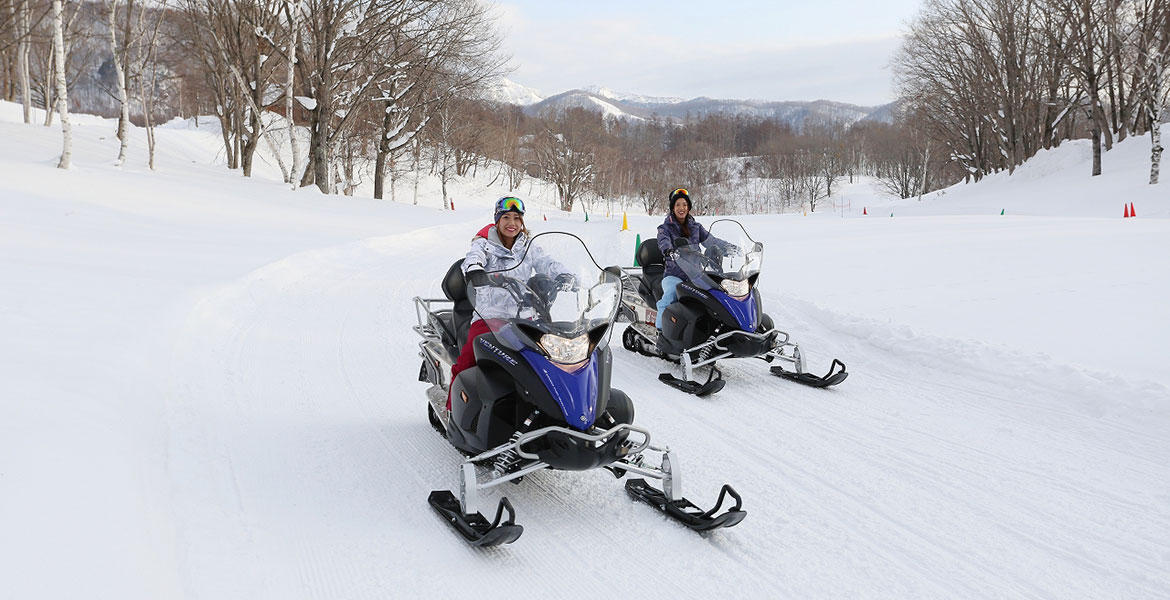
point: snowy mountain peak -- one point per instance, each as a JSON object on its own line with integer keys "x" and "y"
{"x": 630, "y": 98}
{"x": 506, "y": 91}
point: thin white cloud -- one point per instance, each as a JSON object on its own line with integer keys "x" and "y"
{"x": 655, "y": 56}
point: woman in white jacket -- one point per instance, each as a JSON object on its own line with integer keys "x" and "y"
{"x": 498, "y": 247}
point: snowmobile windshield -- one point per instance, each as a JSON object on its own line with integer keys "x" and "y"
{"x": 728, "y": 259}
{"x": 557, "y": 300}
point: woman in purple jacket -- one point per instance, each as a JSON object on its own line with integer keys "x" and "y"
{"x": 679, "y": 223}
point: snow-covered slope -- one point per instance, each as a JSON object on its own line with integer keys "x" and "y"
{"x": 556, "y": 105}
{"x": 630, "y": 98}
{"x": 1054, "y": 183}
{"x": 208, "y": 389}
{"x": 506, "y": 91}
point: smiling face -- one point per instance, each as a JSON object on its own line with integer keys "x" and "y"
{"x": 509, "y": 226}
{"x": 680, "y": 210}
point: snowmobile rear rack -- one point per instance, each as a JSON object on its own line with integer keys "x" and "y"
{"x": 836, "y": 374}
{"x": 474, "y": 527}
{"x": 685, "y": 512}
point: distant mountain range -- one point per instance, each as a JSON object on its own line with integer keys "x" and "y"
{"x": 620, "y": 105}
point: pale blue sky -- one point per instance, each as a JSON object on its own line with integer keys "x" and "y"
{"x": 835, "y": 50}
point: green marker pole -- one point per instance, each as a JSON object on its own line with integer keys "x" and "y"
{"x": 637, "y": 244}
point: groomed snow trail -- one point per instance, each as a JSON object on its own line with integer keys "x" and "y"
{"x": 301, "y": 459}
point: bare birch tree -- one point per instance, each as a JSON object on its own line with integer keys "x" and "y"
{"x": 62, "y": 91}
{"x": 292, "y": 11}
{"x": 119, "y": 55}
{"x": 1153, "y": 67}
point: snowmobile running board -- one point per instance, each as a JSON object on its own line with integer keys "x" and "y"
{"x": 475, "y": 528}
{"x": 683, "y": 511}
{"x": 836, "y": 374}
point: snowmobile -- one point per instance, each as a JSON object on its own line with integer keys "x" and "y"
{"x": 539, "y": 397}
{"x": 718, "y": 315}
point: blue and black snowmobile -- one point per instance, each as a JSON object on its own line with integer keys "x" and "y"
{"x": 719, "y": 313}
{"x": 539, "y": 396}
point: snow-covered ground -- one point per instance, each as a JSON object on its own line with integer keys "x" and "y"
{"x": 208, "y": 389}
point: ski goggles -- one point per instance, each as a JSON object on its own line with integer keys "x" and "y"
{"x": 508, "y": 203}
{"x": 679, "y": 192}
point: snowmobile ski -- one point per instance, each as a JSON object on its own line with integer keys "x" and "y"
{"x": 685, "y": 512}
{"x": 693, "y": 387}
{"x": 836, "y": 374}
{"x": 474, "y": 527}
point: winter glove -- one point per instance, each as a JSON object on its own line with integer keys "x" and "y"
{"x": 566, "y": 282}
{"x": 478, "y": 278}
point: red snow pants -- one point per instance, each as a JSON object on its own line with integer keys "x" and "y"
{"x": 467, "y": 356}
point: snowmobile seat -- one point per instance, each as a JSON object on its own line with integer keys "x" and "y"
{"x": 455, "y": 288}
{"x": 653, "y": 268}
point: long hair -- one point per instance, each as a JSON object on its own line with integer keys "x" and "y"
{"x": 686, "y": 231}
{"x": 523, "y": 231}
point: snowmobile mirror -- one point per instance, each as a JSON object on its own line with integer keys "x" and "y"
{"x": 758, "y": 247}
{"x": 614, "y": 270}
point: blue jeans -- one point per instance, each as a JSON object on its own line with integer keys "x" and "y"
{"x": 669, "y": 296}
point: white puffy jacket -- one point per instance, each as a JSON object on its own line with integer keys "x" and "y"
{"x": 490, "y": 254}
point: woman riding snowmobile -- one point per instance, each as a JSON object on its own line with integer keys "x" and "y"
{"x": 499, "y": 247}
{"x": 718, "y": 312}
{"x": 679, "y": 225}
{"x": 536, "y": 392}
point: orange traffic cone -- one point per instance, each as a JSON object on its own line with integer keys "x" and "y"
{"x": 1132, "y": 212}
{"x": 1126, "y": 212}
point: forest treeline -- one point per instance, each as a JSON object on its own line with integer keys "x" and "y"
{"x": 370, "y": 91}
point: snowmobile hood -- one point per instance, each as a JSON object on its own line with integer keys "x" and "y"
{"x": 746, "y": 311}
{"x": 575, "y": 393}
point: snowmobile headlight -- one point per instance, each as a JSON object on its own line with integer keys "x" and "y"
{"x": 736, "y": 289}
{"x": 565, "y": 350}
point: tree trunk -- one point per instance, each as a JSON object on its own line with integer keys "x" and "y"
{"x": 62, "y": 92}
{"x": 383, "y": 152}
{"x": 415, "y": 152}
{"x": 1155, "y": 152}
{"x": 393, "y": 179}
{"x": 309, "y": 177}
{"x": 238, "y": 128}
{"x": 124, "y": 115}
{"x": 255, "y": 95}
{"x": 225, "y": 132}
{"x": 49, "y": 87}
{"x": 292, "y": 14}
{"x": 147, "y": 110}
{"x": 22, "y": 59}
{"x": 318, "y": 168}
{"x": 925, "y": 165}
{"x": 443, "y": 176}
{"x": 1095, "y": 134}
